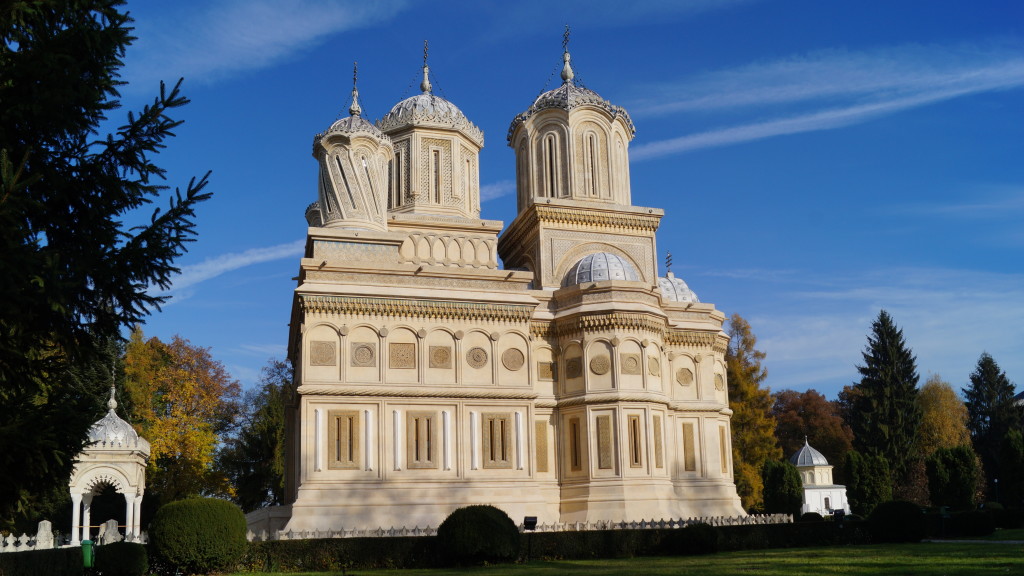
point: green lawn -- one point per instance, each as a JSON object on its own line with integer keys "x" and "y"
{"x": 927, "y": 559}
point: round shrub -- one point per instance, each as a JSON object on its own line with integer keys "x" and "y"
{"x": 699, "y": 539}
{"x": 122, "y": 559}
{"x": 200, "y": 535}
{"x": 811, "y": 517}
{"x": 897, "y": 521}
{"x": 476, "y": 534}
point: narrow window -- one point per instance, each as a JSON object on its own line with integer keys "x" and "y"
{"x": 689, "y": 455}
{"x": 497, "y": 440}
{"x": 344, "y": 178}
{"x": 574, "y": 444}
{"x": 465, "y": 179}
{"x": 550, "y": 167}
{"x": 421, "y": 439}
{"x": 828, "y": 505}
{"x": 343, "y": 435}
{"x": 391, "y": 185}
{"x": 399, "y": 178}
{"x": 723, "y": 449}
{"x": 659, "y": 459}
{"x": 635, "y": 457}
{"x": 437, "y": 176}
{"x": 591, "y": 180}
{"x": 369, "y": 182}
{"x": 605, "y": 443}
{"x": 327, "y": 191}
{"x": 540, "y": 432}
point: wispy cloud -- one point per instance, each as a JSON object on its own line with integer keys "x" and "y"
{"x": 840, "y": 89}
{"x": 213, "y": 267}
{"x": 227, "y": 37}
{"x": 987, "y": 202}
{"x": 497, "y": 190}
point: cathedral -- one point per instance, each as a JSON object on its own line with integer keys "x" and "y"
{"x": 443, "y": 359}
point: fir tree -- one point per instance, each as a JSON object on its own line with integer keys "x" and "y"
{"x": 885, "y": 415}
{"x": 991, "y": 413}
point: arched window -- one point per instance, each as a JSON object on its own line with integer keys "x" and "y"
{"x": 435, "y": 180}
{"x": 591, "y": 151}
{"x": 550, "y": 151}
{"x": 828, "y": 504}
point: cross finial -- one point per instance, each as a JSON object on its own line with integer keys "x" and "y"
{"x": 567, "y": 74}
{"x": 565, "y": 39}
{"x": 112, "y": 403}
{"x": 425, "y": 85}
{"x": 668, "y": 262}
{"x": 355, "y": 109}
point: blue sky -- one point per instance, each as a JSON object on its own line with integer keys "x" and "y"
{"x": 817, "y": 161}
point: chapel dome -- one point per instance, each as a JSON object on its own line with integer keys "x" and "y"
{"x": 569, "y": 96}
{"x": 598, "y": 267}
{"x": 111, "y": 432}
{"x": 427, "y": 109}
{"x": 674, "y": 289}
{"x": 808, "y": 456}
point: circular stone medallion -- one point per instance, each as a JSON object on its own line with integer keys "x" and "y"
{"x": 476, "y": 357}
{"x": 513, "y": 359}
{"x": 653, "y": 366}
{"x": 440, "y": 357}
{"x": 600, "y": 365}
{"x": 363, "y": 355}
{"x": 684, "y": 376}
{"x": 719, "y": 382}
{"x": 631, "y": 365}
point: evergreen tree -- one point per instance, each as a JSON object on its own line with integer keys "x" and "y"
{"x": 1011, "y": 479}
{"x": 953, "y": 476}
{"x": 72, "y": 273}
{"x": 783, "y": 489}
{"x": 753, "y": 427}
{"x": 253, "y": 459}
{"x": 885, "y": 416}
{"x": 868, "y": 482}
{"x": 991, "y": 413}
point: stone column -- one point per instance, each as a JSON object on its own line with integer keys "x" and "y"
{"x": 86, "y": 512}
{"x": 129, "y": 516}
{"x": 137, "y": 518}
{"x": 76, "y": 509}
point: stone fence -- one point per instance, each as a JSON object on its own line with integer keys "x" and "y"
{"x": 263, "y": 535}
{"x": 45, "y": 538}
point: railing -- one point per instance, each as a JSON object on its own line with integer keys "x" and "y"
{"x": 46, "y": 538}
{"x": 264, "y": 535}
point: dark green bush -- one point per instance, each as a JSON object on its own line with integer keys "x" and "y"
{"x": 811, "y": 517}
{"x": 122, "y": 559}
{"x": 974, "y": 523}
{"x": 199, "y": 535}
{"x": 897, "y": 521}
{"x": 700, "y": 539}
{"x": 477, "y": 534}
{"x": 337, "y": 554}
{"x": 56, "y": 562}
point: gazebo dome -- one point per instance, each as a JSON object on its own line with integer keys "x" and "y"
{"x": 427, "y": 109}
{"x": 598, "y": 267}
{"x": 674, "y": 289}
{"x": 111, "y": 432}
{"x": 808, "y": 456}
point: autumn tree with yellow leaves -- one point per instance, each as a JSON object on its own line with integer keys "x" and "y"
{"x": 753, "y": 426}
{"x": 183, "y": 402}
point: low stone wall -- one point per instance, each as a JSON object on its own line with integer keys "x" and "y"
{"x": 752, "y": 519}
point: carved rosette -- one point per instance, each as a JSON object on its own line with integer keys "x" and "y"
{"x": 476, "y": 357}
{"x": 513, "y": 359}
{"x": 440, "y": 357}
{"x": 600, "y": 365}
{"x": 364, "y": 354}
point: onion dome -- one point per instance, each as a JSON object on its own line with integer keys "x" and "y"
{"x": 599, "y": 267}
{"x": 674, "y": 289}
{"x": 428, "y": 110}
{"x": 568, "y": 96}
{"x": 808, "y": 456}
{"x": 111, "y": 432}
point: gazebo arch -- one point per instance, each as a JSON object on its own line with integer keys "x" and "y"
{"x": 116, "y": 456}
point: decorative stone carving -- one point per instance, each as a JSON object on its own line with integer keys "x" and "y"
{"x": 653, "y": 366}
{"x": 322, "y": 353}
{"x": 476, "y": 357}
{"x": 719, "y": 382}
{"x": 440, "y": 357}
{"x": 513, "y": 359}
{"x": 574, "y": 367}
{"x": 546, "y": 371}
{"x": 631, "y": 363}
{"x": 402, "y": 355}
{"x": 684, "y": 376}
{"x": 364, "y": 354}
{"x": 600, "y": 365}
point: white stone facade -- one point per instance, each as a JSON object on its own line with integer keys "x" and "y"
{"x": 428, "y": 378}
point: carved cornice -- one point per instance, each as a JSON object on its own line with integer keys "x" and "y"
{"x": 417, "y": 392}
{"x": 607, "y": 322}
{"x": 612, "y": 397}
{"x": 692, "y": 338}
{"x": 422, "y": 309}
{"x": 583, "y": 217}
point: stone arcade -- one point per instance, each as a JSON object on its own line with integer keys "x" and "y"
{"x": 573, "y": 384}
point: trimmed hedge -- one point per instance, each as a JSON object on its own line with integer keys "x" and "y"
{"x": 811, "y": 517}
{"x": 199, "y": 535}
{"x": 898, "y": 521}
{"x": 56, "y": 562}
{"x": 476, "y": 534}
{"x": 336, "y": 554}
{"x": 122, "y": 559}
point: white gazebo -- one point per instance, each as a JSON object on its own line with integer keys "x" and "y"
{"x": 820, "y": 494}
{"x": 115, "y": 456}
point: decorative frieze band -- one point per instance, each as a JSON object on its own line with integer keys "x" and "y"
{"x": 612, "y": 321}
{"x": 594, "y": 219}
{"x": 418, "y": 392}
{"x": 691, "y": 338}
{"x": 424, "y": 309}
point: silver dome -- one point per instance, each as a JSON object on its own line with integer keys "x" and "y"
{"x": 598, "y": 267}
{"x": 674, "y": 289}
{"x": 426, "y": 109}
{"x": 808, "y": 456}
{"x": 569, "y": 96}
